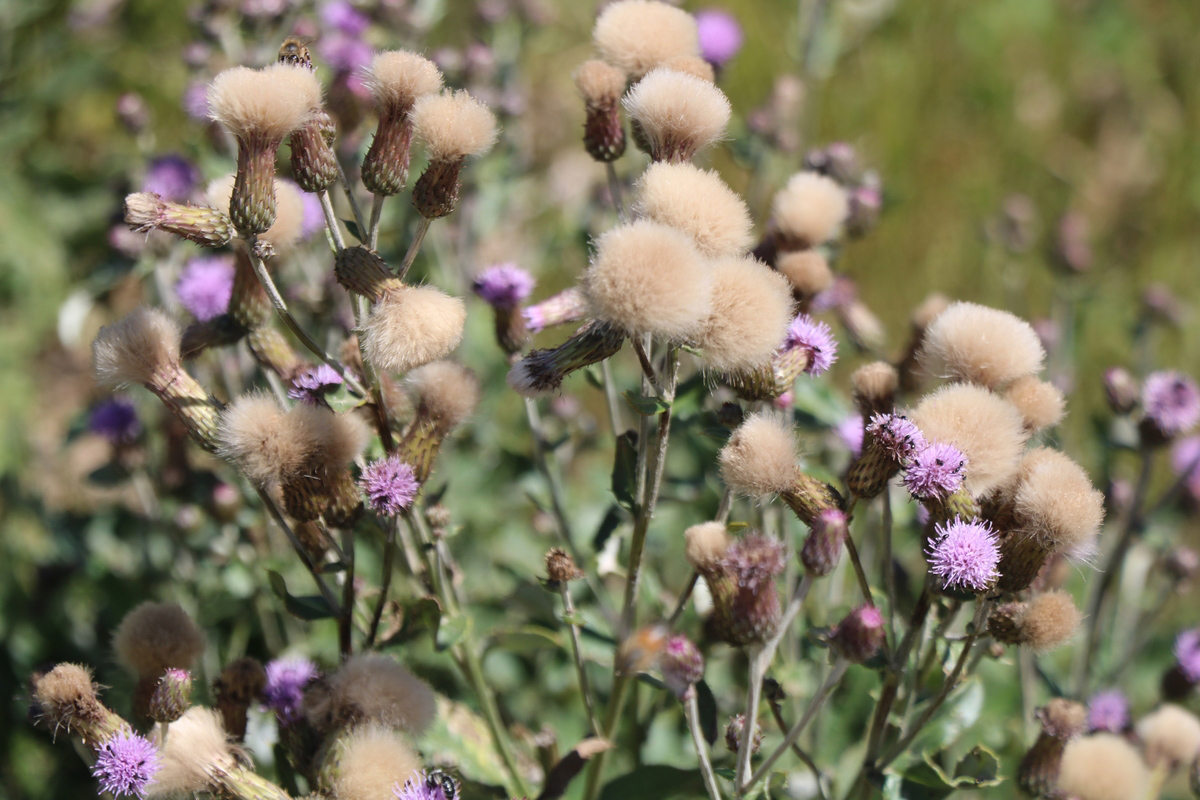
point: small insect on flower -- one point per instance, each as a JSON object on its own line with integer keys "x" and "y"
{"x": 438, "y": 779}
{"x": 295, "y": 51}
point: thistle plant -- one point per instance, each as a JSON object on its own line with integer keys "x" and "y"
{"x": 838, "y": 608}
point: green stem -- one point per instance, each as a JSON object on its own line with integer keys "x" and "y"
{"x": 691, "y": 710}
{"x": 577, "y": 656}
{"x": 414, "y": 247}
{"x": 814, "y": 705}
{"x": 385, "y": 583}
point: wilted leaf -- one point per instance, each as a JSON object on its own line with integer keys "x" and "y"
{"x": 570, "y": 765}
{"x": 624, "y": 471}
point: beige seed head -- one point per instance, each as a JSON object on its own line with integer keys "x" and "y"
{"x": 266, "y": 103}
{"x": 679, "y": 114}
{"x": 453, "y": 125}
{"x": 985, "y": 427}
{"x": 285, "y": 231}
{"x": 446, "y": 391}
{"x": 929, "y": 310}
{"x": 970, "y": 342}
{"x": 155, "y": 637}
{"x": 256, "y": 435}
{"x": 639, "y": 35}
{"x": 337, "y": 439}
{"x": 873, "y": 387}
{"x": 1102, "y": 767}
{"x": 1049, "y": 621}
{"x": 375, "y": 760}
{"x": 398, "y": 78}
{"x": 412, "y": 326}
{"x": 705, "y": 544}
{"x": 760, "y": 457}
{"x": 1056, "y": 502}
{"x": 751, "y": 310}
{"x": 196, "y": 751}
{"x": 647, "y": 277}
{"x": 599, "y": 83}
{"x": 807, "y": 270}
{"x": 65, "y": 692}
{"x": 698, "y": 203}
{"x": 809, "y": 210}
{"x": 135, "y": 349}
{"x": 1170, "y": 735}
{"x": 375, "y": 688}
{"x": 693, "y": 65}
{"x": 1041, "y": 404}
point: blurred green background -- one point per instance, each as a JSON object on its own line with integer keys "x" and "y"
{"x": 987, "y": 121}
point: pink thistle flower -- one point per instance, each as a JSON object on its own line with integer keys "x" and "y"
{"x": 504, "y": 285}
{"x": 391, "y": 485}
{"x": 964, "y": 554}
{"x": 1171, "y": 401}
{"x": 935, "y": 472}
{"x": 205, "y": 286}
{"x": 126, "y": 764}
{"x": 817, "y": 338}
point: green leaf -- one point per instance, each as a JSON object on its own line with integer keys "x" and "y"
{"x": 574, "y": 618}
{"x": 418, "y": 617}
{"x": 646, "y": 406}
{"x": 352, "y": 226}
{"x": 612, "y": 518}
{"x": 342, "y": 400}
{"x": 926, "y": 780}
{"x": 309, "y": 607}
{"x": 980, "y": 767}
{"x": 525, "y": 639}
{"x": 655, "y": 782}
{"x": 707, "y": 704}
{"x": 111, "y": 474}
{"x": 624, "y": 471}
{"x": 451, "y": 631}
{"x": 459, "y": 736}
{"x": 594, "y": 377}
{"x": 960, "y": 712}
{"x": 727, "y": 773}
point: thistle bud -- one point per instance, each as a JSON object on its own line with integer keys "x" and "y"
{"x": 272, "y": 350}
{"x": 569, "y": 305}
{"x": 504, "y": 288}
{"x": 397, "y": 79}
{"x": 1062, "y": 720}
{"x": 241, "y": 683}
{"x": 682, "y": 666}
{"x": 172, "y": 696}
{"x": 314, "y": 164}
{"x": 453, "y": 126}
{"x": 1121, "y": 390}
{"x": 542, "y": 372}
{"x": 734, "y": 731}
{"x": 560, "y": 567}
{"x": 601, "y": 86}
{"x": 823, "y": 547}
{"x": 746, "y": 605}
{"x": 891, "y": 441}
{"x": 205, "y": 226}
{"x": 859, "y": 636}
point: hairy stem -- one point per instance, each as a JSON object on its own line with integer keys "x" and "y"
{"x": 414, "y": 247}
{"x": 691, "y": 710}
{"x": 577, "y": 656}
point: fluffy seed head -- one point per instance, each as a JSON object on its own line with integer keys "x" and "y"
{"x": 391, "y": 485}
{"x": 288, "y": 226}
{"x": 1055, "y": 501}
{"x": 639, "y": 35}
{"x": 751, "y": 311}
{"x": 697, "y": 202}
{"x": 453, "y": 125}
{"x": 412, "y": 326}
{"x": 1041, "y": 403}
{"x": 1102, "y": 767}
{"x": 970, "y": 342}
{"x": 815, "y": 338}
{"x": 1170, "y": 735}
{"x": 266, "y": 103}
{"x": 705, "y": 544}
{"x": 256, "y": 435}
{"x": 964, "y": 554}
{"x": 375, "y": 688}
{"x": 133, "y": 349}
{"x": 1108, "y": 711}
{"x": 873, "y": 387}
{"x": 809, "y": 210}
{"x": 760, "y": 456}
{"x": 648, "y": 278}
{"x": 806, "y": 270}
{"x": 935, "y": 472}
{"x": 196, "y": 750}
{"x": 1050, "y": 620}
{"x": 398, "y": 78}
{"x": 695, "y": 66}
{"x": 375, "y": 760}
{"x": 66, "y": 693}
{"x": 445, "y": 391}
{"x": 155, "y": 637}
{"x": 599, "y": 83}
{"x": 986, "y": 428}
{"x": 126, "y": 764}
{"x": 679, "y": 114}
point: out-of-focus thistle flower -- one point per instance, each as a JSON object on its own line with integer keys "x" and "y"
{"x": 850, "y": 432}
{"x": 1170, "y": 737}
{"x": 569, "y": 305}
{"x": 284, "y": 690}
{"x": 889, "y": 443}
{"x": 1185, "y": 461}
{"x": 198, "y": 757}
{"x": 205, "y": 286}
{"x": 734, "y": 730}
{"x": 1160, "y": 303}
{"x": 1102, "y": 766}
{"x": 151, "y": 639}
{"x": 720, "y": 36}
{"x": 808, "y": 211}
{"x": 239, "y": 686}
{"x": 397, "y": 79}
{"x": 260, "y": 108}
{"x": 1170, "y": 404}
{"x": 935, "y": 472}
{"x": 171, "y": 177}
{"x": 172, "y": 696}
{"x": 746, "y": 605}
{"x": 205, "y": 226}
{"x": 504, "y": 287}
{"x": 343, "y": 16}
{"x": 1041, "y": 403}
{"x": 369, "y": 689}
{"x": 601, "y": 86}
{"x": 964, "y": 555}
{"x": 640, "y": 651}
{"x": 866, "y": 203}
{"x": 133, "y": 112}
{"x": 1121, "y": 390}
{"x": 126, "y": 765}
{"x": 808, "y": 272}
{"x": 1178, "y": 682}
{"x": 1062, "y": 720}
{"x": 859, "y": 636}
{"x": 390, "y": 484}
{"x": 675, "y": 115}
{"x": 682, "y": 666}
{"x": 115, "y": 419}
{"x": 911, "y": 373}
{"x": 838, "y": 160}
{"x": 453, "y": 126}
{"x": 873, "y": 388}
{"x": 1072, "y": 245}
{"x": 823, "y": 547}
{"x": 1108, "y": 711}
{"x": 311, "y": 385}
{"x": 345, "y": 55}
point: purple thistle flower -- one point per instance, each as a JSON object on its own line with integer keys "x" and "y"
{"x": 390, "y": 484}
{"x": 936, "y": 471}
{"x": 754, "y": 559}
{"x": 311, "y": 385}
{"x": 345, "y": 17}
{"x": 504, "y": 285}
{"x": 286, "y": 679}
{"x": 345, "y": 53}
{"x": 313, "y": 219}
{"x": 842, "y": 293}
{"x": 172, "y": 177}
{"x": 427, "y": 786}
{"x": 681, "y": 664}
{"x": 115, "y": 419}
{"x": 850, "y": 431}
{"x": 1171, "y": 401}
{"x": 1187, "y": 653}
{"x": 1185, "y": 460}
{"x": 1108, "y": 711}
{"x": 815, "y": 337}
{"x": 195, "y": 101}
{"x": 964, "y": 554}
{"x": 126, "y": 764}
{"x": 205, "y": 286}
{"x": 897, "y": 435}
{"x": 720, "y": 35}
